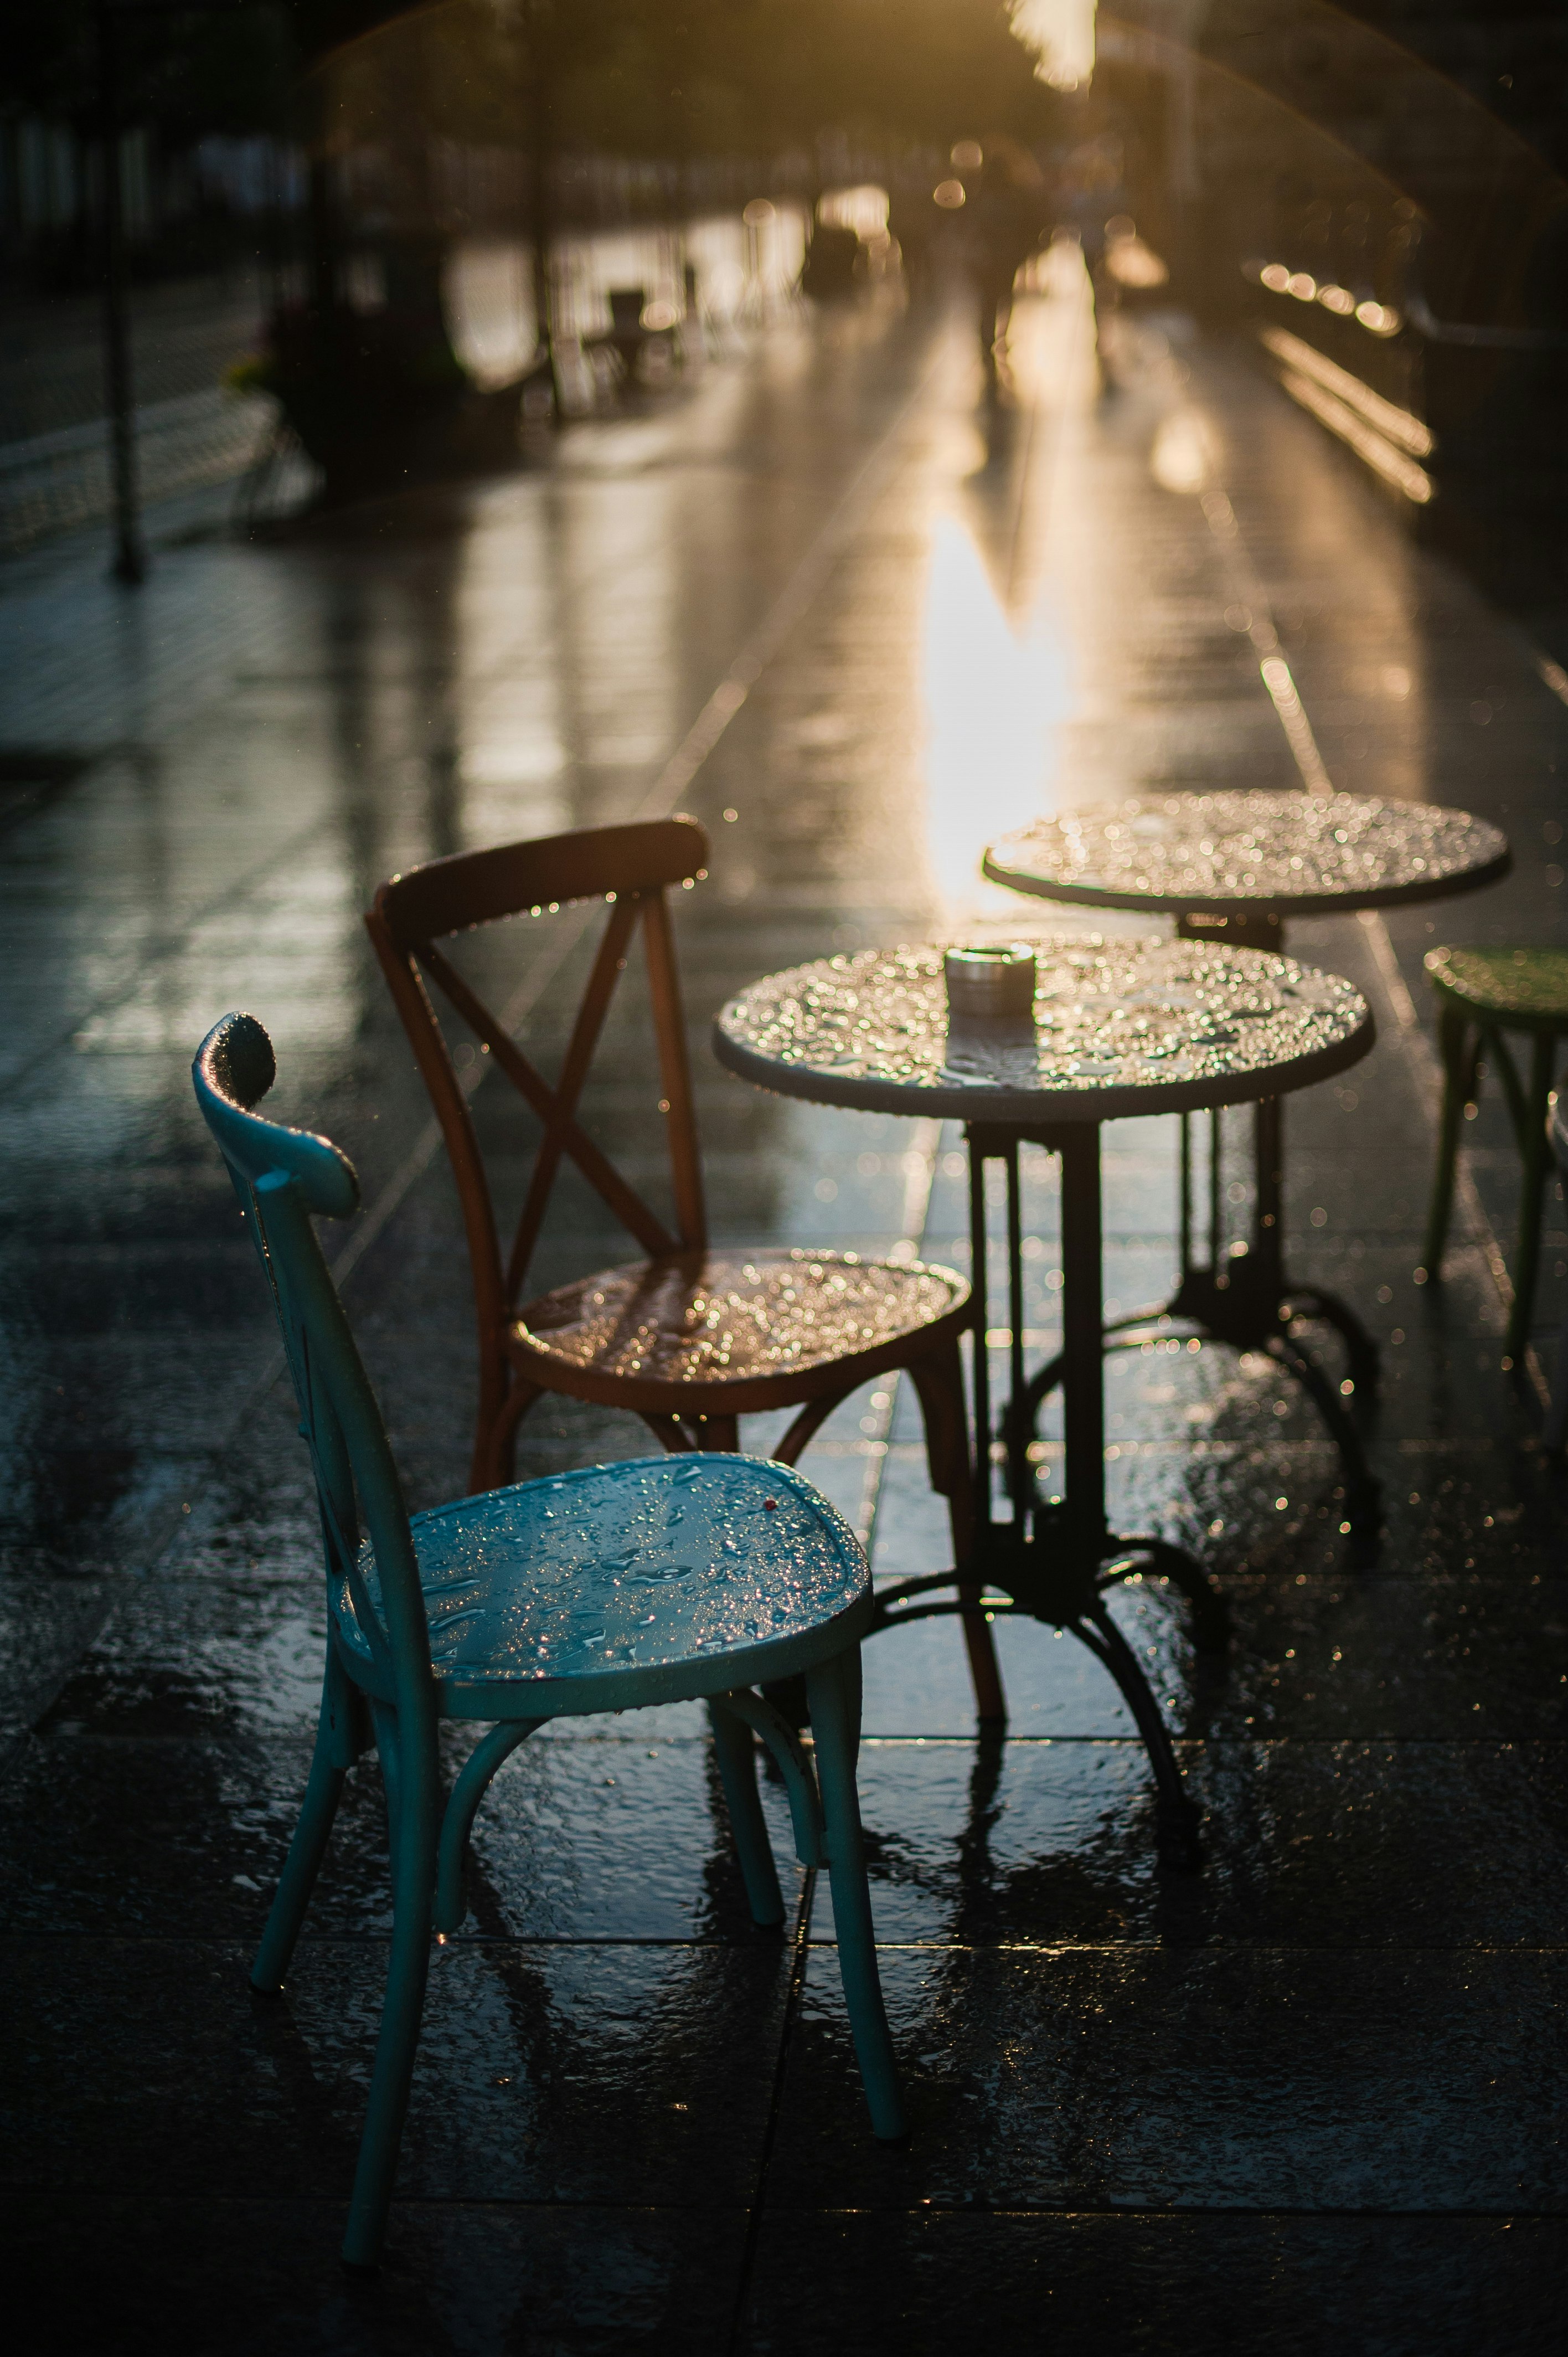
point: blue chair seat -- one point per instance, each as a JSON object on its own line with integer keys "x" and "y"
{"x": 657, "y": 1579}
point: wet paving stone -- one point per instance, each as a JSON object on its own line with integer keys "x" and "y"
{"x": 553, "y": 2072}
{"x": 1305, "y": 1843}
{"x": 188, "y": 1839}
{"x": 1129, "y": 2078}
{"x": 46, "y": 1618}
{"x": 251, "y": 2275}
{"x": 1398, "y": 1657}
{"x": 917, "y": 2280}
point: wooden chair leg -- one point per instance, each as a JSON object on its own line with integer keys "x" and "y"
{"x": 834, "y": 1692}
{"x": 939, "y": 1383}
{"x": 495, "y": 1444}
{"x": 806, "y": 1426}
{"x": 414, "y": 1888}
{"x": 735, "y": 1749}
{"x": 1459, "y": 1078}
{"x": 1537, "y": 1156}
{"x": 678, "y": 1436}
{"x": 669, "y": 1432}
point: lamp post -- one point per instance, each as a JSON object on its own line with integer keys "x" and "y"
{"x": 130, "y": 564}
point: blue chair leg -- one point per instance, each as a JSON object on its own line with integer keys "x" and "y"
{"x": 833, "y": 1693}
{"x": 339, "y": 1741}
{"x": 413, "y": 1889}
{"x": 735, "y": 1749}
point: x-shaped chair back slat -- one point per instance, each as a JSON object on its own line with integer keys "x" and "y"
{"x": 630, "y": 868}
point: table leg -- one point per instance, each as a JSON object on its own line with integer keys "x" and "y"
{"x": 1083, "y": 1395}
{"x": 1082, "y": 1514}
{"x": 979, "y": 1280}
{"x": 1253, "y": 1308}
{"x": 1245, "y": 1299}
{"x": 1272, "y": 1284}
{"x": 1050, "y": 1560}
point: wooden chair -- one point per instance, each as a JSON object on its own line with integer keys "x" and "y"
{"x": 689, "y": 1338}
{"x": 650, "y": 1581}
{"x": 1481, "y": 994}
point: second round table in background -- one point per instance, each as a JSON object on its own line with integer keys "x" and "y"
{"x": 1231, "y": 867}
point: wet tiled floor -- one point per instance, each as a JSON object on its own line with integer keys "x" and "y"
{"x": 1307, "y": 2099}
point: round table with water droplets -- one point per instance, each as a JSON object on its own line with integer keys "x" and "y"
{"x": 1118, "y": 1028}
{"x": 1233, "y": 866}
{"x": 1230, "y": 868}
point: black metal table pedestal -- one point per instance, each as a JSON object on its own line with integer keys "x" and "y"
{"x": 1055, "y": 1562}
{"x": 1244, "y": 1299}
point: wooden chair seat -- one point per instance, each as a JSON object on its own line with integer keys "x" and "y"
{"x": 741, "y": 1327}
{"x": 1522, "y": 989}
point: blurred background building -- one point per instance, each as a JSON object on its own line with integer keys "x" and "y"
{"x": 335, "y": 222}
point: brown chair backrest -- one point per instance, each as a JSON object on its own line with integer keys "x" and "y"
{"x": 628, "y": 866}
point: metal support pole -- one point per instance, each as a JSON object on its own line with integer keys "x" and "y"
{"x": 1215, "y": 1176}
{"x": 130, "y": 564}
{"x": 981, "y": 1368}
{"x": 1186, "y": 1255}
{"x": 541, "y": 62}
{"x": 1020, "y": 1481}
{"x": 1268, "y": 1227}
{"x": 1083, "y": 1403}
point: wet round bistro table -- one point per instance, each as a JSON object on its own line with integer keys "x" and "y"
{"x": 1231, "y": 867}
{"x": 1118, "y": 1028}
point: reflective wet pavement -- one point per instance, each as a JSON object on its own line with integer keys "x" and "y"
{"x": 1310, "y": 2098}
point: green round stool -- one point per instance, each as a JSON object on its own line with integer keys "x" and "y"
{"x": 1481, "y": 994}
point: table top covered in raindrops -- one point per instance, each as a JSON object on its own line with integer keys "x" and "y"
{"x": 1285, "y": 851}
{"x": 1120, "y": 1027}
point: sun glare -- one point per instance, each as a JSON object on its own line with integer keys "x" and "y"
{"x": 1061, "y": 34}
{"x": 995, "y": 700}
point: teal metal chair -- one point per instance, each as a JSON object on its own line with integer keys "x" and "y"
{"x": 660, "y": 1579}
{"x": 1481, "y": 994}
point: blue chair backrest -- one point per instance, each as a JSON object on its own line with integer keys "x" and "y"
{"x": 283, "y": 1176}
